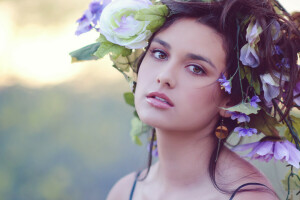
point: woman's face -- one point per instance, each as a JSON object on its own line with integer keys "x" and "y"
{"x": 177, "y": 87}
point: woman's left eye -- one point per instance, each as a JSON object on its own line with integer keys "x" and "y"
{"x": 196, "y": 69}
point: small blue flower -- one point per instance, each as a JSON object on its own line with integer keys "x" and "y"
{"x": 245, "y": 131}
{"x": 241, "y": 117}
{"x": 249, "y": 56}
{"x": 91, "y": 17}
{"x": 285, "y": 62}
{"x": 254, "y": 100}
{"x": 277, "y": 50}
{"x": 226, "y": 84}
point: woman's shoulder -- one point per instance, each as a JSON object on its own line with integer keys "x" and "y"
{"x": 240, "y": 172}
{"x": 122, "y": 188}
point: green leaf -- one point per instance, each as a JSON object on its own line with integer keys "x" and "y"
{"x": 155, "y": 14}
{"x": 135, "y": 114}
{"x": 102, "y": 39}
{"x": 265, "y": 123}
{"x": 85, "y": 53}
{"x": 155, "y": 24}
{"x": 253, "y": 81}
{"x": 248, "y": 74}
{"x": 242, "y": 72}
{"x": 256, "y": 86}
{"x": 124, "y": 63}
{"x": 296, "y": 125}
{"x": 129, "y": 98}
{"x": 114, "y": 49}
{"x": 245, "y": 108}
{"x": 137, "y": 129}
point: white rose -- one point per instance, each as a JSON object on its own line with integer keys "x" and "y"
{"x": 118, "y": 25}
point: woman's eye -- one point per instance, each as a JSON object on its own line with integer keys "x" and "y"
{"x": 159, "y": 54}
{"x": 196, "y": 69}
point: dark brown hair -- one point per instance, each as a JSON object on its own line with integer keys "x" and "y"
{"x": 230, "y": 18}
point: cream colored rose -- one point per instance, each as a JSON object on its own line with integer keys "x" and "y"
{"x": 118, "y": 25}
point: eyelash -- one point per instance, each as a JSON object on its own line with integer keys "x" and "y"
{"x": 155, "y": 51}
{"x": 202, "y": 72}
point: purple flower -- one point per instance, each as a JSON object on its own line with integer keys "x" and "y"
{"x": 254, "y": 100}
{"x": 266, "y": 150}
{"x": 253, "y": 31}
{"x": 154, "y": 149}
{"x": 285, "y": 62}
{"x": 245, "y": 131}
{"x": 241, "y": 117}
{"x": 270, "y": 88}
{"x": 277, "y": 50}
{"x": 275, "y": 30}
{"x": 226, "y": 84}
{"x": 91, "y": 17}
{"x": 249, "y": 56}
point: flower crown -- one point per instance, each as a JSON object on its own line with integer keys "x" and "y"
{"x": 125, "y": 27}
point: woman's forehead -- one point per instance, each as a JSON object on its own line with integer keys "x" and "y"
{"x": 188, "y": 36}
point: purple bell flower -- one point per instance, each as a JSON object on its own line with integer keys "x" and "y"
{"x": 241, "y": 117}
{"x": 245, "y": 131}
{"x": 249, "y": 56}
{"x": 254, "y": 100}
{"x": 266, "y": 150}
{"x": 226, "y": 84}
{"x": 91, "y": 16}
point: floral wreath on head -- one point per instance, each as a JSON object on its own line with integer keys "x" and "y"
{"x": 125, "y": 27}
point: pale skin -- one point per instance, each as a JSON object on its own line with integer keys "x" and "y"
{"x": 184, "y": 62}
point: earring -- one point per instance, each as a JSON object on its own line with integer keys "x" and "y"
{"x": 221, "y": 133}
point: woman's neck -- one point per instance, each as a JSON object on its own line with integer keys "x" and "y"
{"x": 183, "y": 157}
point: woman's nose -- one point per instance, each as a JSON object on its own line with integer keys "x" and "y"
{"x": 166, "y": 78}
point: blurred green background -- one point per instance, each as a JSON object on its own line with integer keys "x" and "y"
{"x": 64, "y": 128}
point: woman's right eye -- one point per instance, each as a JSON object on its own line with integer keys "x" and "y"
{"x": 158, "y": 54}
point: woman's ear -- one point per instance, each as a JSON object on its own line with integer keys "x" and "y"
{"x": 225, "y": 104}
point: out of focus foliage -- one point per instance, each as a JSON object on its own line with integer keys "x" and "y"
{"x": 58, "y": 144}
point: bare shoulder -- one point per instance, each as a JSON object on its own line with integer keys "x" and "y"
{"x": 238, "y": 172}
{"x": 121, "y": 189}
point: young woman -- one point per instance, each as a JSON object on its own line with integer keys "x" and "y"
{"x": 244, "y": 45}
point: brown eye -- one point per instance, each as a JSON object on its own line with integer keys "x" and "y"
{"x": 196, "y": 69}
{"x": 159, "y": 54}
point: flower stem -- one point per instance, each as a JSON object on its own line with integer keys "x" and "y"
{"x": 238, "y": 57}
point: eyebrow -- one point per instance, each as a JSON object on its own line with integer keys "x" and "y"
{"x": 198, "y": 57}
{"x": 190, "y": 55}
{"x": 163, "y": 43}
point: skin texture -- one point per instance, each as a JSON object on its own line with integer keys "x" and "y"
{"x": 185, "y": 131}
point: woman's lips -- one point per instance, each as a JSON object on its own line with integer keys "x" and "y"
{"x": 159, "y": 100}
